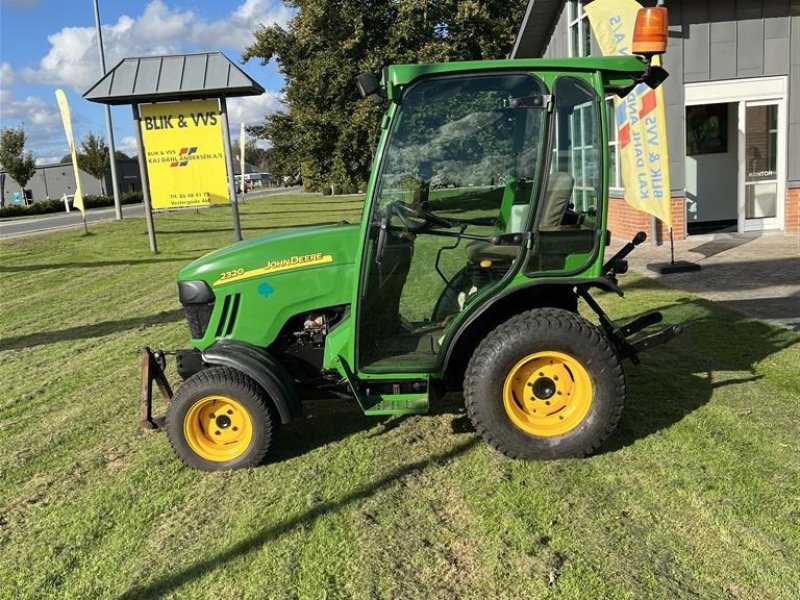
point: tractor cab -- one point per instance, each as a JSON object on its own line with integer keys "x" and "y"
{"x": 483, "y": 177}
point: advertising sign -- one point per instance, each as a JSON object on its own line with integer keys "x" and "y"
{"x": 185, "y": 157}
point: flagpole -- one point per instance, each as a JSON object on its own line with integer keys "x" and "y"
{"x": 671, "y": 248}
{"x": 242, "y": 158}
{"x": 109, "y": 126}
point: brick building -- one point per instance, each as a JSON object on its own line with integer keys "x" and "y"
{"x": 733, "y": 110}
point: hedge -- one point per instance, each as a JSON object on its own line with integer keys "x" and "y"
{"x": 50, "y": 206}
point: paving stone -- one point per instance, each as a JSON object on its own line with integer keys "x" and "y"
{"x": 757, "y": 275}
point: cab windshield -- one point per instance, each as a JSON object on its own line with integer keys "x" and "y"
{"x": 463, "y": 148}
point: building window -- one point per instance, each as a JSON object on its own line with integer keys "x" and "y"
{"x": 772, "y": 135}
{"x": 614, "y": 177}
{"x": 580, "y": 33}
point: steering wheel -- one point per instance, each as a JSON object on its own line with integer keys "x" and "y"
{"x": 405, "y": 212}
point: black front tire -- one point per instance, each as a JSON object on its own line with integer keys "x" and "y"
{"x": 191, "y": 421}
{"x": 541, "y": 331}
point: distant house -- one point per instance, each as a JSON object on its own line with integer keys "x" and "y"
{"x": 252, "y": 176}
{"x": 55, "y": 180}
{"x": 732, "y": 103}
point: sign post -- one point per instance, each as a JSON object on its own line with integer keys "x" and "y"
{"x": 148, "y": 208}
{"x": 237, "y": 229}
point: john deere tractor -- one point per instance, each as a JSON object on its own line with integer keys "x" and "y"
{"x": 483, "y": 229}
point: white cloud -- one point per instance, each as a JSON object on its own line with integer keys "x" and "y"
{"x": 73, "y": 58}
{"x": 19, "y": 3}
{"x": 127, "y": 145}
{"x": 50, "y": 160}
{"x": 235, "y": 32}
{"x": 251, "y": 110}
{"x": 42, "y": 122}
{"x": 6, "y": 76}
{"x": 31, "y": 110}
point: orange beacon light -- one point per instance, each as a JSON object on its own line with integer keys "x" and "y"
{"x": 650, "y": 31}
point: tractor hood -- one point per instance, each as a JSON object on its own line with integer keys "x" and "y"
{"x": 303, "y": 250}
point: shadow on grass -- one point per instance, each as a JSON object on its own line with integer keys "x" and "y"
{"x": 168, "y": 584}
{"x": 324, "y": 421}
{"x": 315, "y": 429}
{"x": 87, "y": 265}
{"x": 678, "y": 378}
{"x": 89, "y": 331}
{"x": 320, "y": 204}
{"x": 303, "y": 211}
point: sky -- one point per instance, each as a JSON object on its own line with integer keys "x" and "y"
{"x": 51, "y": 44}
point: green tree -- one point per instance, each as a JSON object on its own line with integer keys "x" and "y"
{"x": 20, "y": 165}
{"x": 328, "y": 130}
{"x": 94, "y": 158}
{"x": 258, "y": 157}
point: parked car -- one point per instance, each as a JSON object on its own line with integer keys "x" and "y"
{"x": 290, "y": 180}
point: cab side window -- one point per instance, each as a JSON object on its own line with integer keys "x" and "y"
{"x": 572, "y": 197}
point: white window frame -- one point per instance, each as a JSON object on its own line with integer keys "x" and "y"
{"x": 578, "y": 159}
{"x": 577, "y": 18}
{"x": 615, "y": 178}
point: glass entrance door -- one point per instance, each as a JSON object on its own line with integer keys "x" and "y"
{"x": 762, "y": 187}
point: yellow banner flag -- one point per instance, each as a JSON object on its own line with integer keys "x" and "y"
{"x": 641, "y": 120}
{"x": 63, "y": 107}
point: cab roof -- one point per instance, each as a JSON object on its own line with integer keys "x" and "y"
{"x": 396, "y": 77}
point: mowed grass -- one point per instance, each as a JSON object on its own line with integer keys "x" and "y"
{"x": 696, "y": 496}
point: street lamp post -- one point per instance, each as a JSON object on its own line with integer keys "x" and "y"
{"x": 109, "y": 129}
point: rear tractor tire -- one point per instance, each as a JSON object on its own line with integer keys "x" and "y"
{"x": 220, "y": 419}
{"x": 545, "y": 384}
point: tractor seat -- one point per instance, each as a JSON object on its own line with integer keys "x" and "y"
{"x": 478, "y": 251}
{"x": 556, "y": 203}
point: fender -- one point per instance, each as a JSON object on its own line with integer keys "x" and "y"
{"x": 263, "y": 368}
{"x": 537, "y": 293}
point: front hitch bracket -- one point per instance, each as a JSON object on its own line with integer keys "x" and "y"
{"x": 620, "y": 335}
{"x": 153, "y": 365}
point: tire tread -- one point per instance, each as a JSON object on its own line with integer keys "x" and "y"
{"x": 528, "y": 323}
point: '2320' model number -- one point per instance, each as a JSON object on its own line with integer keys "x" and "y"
{"x": 230, "y": 274}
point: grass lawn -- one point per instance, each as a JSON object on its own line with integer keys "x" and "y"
{"x": 696, "y": 496}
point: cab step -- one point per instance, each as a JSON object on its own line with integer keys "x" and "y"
{"x": 389, "y": 397}
{"x": 397, "y": 404}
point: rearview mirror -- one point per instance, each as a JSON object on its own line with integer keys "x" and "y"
{"x": 368, "y": 86}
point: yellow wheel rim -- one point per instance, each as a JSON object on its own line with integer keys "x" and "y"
{"x": 547, "y": 394}
{"x": 218, "y": 428}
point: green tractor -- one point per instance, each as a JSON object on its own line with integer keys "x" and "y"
{"x": 483, "y": 227}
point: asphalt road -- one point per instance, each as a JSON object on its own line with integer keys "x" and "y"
{"x": 53, "y": 222}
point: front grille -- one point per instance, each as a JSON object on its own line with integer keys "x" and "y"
{"x": 198, "y": 316}
{"x": 227, "y": 319}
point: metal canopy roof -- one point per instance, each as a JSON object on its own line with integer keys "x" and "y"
{"x": 175, "y": 77}
{"x": 538, "y": 24}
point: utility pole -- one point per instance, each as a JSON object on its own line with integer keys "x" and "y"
{"x": 109, "y": 129}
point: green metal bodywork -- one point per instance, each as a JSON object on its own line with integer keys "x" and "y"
{"x": 268, "y": 299}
